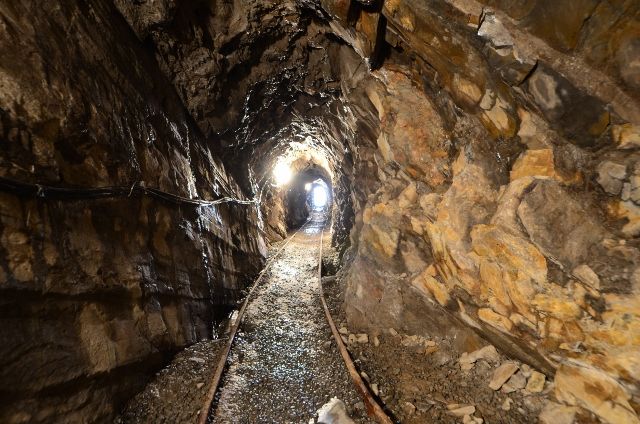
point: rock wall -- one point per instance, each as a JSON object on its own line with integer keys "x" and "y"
{"x": 487, "y": 172}
{"x": 506, "y": 156}
{"x": 97, "y": 293}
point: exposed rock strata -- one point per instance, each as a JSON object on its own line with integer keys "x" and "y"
{"x": 527, "y": 226}
{"x": 486, "y": 176}
{"x": 97, "y": 293}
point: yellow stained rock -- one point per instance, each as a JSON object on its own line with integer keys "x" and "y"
{"x": 431, "y": 287}
{"x": 385, "y": 149}
{"x": 495, "y": 320}
{"x": 429, "y": 204}
{"x": 592, "y": 389}
{"x": 631, "y": 212}
{"x": 385, "y": 240}
{"x": 534, "y": 163}
{"x": 626, "y": 363}
{"x": 539, "y": 163}
{"x": 520, "y": 320}
{"x": 516, "y": 252}
{"x": 418, "y": 225}
{"x": 585, "y": 274}
{"x": 491, "y": 275}
{"x": 407, "y": 20}
{"x": 420, "y": 150}
{"x": 563, "y": 309}
{"x": 408, "y": 197}
{"x": 626, "y": 136}
{"x": 392, "y": 5}
{"x": 498, "y": 120}
{"x": 535, "y": 384}
{"x": 567, "y": 331}
{"x": 468, "y": 91}
{"x": 523, "y": 268}
{"x": 499, "y": 307}
{"x": 621, "y": 322}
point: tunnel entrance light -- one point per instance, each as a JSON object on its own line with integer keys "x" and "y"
{"x": 282, "y": 173}
{"x": 319, "y": 196}
{"x": 307, "y": 187}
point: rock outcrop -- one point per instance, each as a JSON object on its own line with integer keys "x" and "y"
{"x": 97, "y": 293}
{"x": 512, "y": 186}
{"x": 483, "y": 156}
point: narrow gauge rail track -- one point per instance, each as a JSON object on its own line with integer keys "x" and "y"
{"x": 374, "y": 410}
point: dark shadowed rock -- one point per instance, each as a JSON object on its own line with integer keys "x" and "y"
{"x": 558, "y": 224}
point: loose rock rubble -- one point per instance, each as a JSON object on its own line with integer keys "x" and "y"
{"x": 423, "y": 379}
{"x": 502, "y": 374}
{"x": 177, "y": 392}
{"x": 485, "y": 163}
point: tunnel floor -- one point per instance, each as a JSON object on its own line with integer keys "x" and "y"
{"x": 284, "y": 365}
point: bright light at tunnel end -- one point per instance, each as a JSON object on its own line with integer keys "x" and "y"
{"x": 282, "y": 174}
{"x": 319, "y": 196}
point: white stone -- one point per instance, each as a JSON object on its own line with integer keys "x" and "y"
{"x": 611, "y": 176}
{"x": 470, "y": 419}
{"x": 334, "y": 412}
{"x": 492, "y": 30}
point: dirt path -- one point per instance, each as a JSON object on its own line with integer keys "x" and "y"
{"x": 284, "y": 364}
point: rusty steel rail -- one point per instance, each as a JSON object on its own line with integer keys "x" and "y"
{"x": 233, "y": 329}
{"x": 374, "y": 410}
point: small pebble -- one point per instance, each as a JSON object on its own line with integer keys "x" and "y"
{"x": 408, "y": 408}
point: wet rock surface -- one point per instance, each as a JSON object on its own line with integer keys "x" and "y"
{"x": 283, "y": 364}
{"x": 98, "y": 293}
{"x": 483, "y": 157}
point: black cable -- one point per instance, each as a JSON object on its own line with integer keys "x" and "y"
{"x": 23, "y": 189}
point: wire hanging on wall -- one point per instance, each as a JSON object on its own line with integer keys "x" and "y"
{"x": 23, "y": 189}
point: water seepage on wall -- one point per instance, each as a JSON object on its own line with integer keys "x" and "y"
{"x": 95, "y": 294}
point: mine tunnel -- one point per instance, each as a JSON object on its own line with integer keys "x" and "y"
{"x": 307, "y": 192}
{"x": 320, "y": 211}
